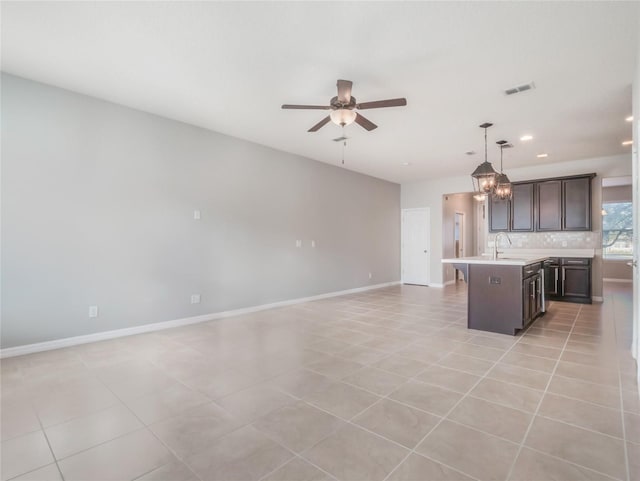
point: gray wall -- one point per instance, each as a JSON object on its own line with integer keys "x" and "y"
{"x": 97, "y": 209}
{"x": 619, "y": 193}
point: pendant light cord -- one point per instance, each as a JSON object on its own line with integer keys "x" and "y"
{"x": 485, "y": 144}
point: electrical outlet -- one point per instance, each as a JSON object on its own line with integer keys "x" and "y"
{"x": 298, "y": 243}
{"x": 93, "y": 311}
{"x": 370, "y": 275}
{"x": 313, "y": 243}
{"x": 196, "y": 215}
{"x": 195, "y": 298}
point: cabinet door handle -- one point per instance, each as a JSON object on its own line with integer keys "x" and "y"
{"x": 563, "y": 277}
{"x": 556, "y": 272}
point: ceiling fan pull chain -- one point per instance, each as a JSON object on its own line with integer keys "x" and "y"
{"x": 344, "y": 144}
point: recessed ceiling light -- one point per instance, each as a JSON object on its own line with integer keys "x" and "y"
{"x": 524, "y": 138}
{"x": 627, "y": 142}
{"x": 406, "y": 163}
{"x": 542, "y": 156}
{"x": 630, "y": 118}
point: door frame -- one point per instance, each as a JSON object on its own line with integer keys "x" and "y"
{"x": 427, "y": 211}
{"x": 635, "y": 182}
{"x": 461, "y": 238}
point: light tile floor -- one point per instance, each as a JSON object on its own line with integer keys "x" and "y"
{"x": 383, "y": 385}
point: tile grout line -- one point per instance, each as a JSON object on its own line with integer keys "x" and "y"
{"x": 357, "y": 426}
{"x": 145, "y": 427}
{"x": 447, "y": 325}
{"x": 44, "y": 432}
{"x": 413, "y": 451}
{"x": 624, "y": 429}
{"x": 526, "y": 434}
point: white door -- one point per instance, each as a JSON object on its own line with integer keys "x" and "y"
{"x": 415, "y": 246}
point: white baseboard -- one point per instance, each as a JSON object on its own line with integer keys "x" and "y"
{"x": 158, "y": 326}
{"x": 597, "y": 298}
{"x": 610, "y": 279}
{"x": 441, "y": 285}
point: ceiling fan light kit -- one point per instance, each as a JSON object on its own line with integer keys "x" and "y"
{"x": 343, "y": 108}
{"x": 343, "y": 117}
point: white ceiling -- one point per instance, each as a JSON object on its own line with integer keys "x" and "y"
{"x": 229, "y": 66}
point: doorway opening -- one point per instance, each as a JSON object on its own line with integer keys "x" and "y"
{"x": 458, "y": 239}
{"x": 415, "y": 251}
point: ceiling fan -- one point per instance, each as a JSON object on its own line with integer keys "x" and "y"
{"x": 343, "y": 108}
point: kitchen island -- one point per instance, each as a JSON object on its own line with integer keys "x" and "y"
{"x": 505, "y": 294}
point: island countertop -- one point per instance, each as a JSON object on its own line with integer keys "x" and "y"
{"x": 504, "y": 260}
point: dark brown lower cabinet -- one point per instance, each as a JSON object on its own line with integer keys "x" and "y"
{"x": 576, "y": 282}
{"x": 568, "y": 279}
{"x": 531, "y": 298}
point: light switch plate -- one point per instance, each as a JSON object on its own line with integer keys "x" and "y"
{"x": 93, "y": 311}
{"x": 195, "y": 298}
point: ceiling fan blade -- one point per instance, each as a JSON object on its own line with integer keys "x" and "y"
{"x": 306, "y": 107}
{"x": 320, "y": 124}
{"x": 382, "y": 103}
{"x": 364, "y": 122}
{"x": 344, "y": 91}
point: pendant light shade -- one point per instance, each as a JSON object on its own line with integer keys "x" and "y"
{"x": 484, "y": 177}
{"x": 502, "y": 188}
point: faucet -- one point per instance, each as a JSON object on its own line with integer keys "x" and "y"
{"x": 496, "y": 242}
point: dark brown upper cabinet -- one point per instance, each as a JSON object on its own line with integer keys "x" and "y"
{"x": 522, "y": 207}
{"x": 549, "y": 206}
{"x": 499, "y": 215}
{"x": 545, "y": 205}
{"x": 576, "y": 204}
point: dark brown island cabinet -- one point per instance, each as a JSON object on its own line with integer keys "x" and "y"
{"x": 545, "y": 205}
{"x": 504, "y": 298}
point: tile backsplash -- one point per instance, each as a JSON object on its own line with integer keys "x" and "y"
{"x": 551, "y": 240}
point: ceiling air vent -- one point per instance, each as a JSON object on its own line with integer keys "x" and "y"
{"x": 520, "y": 88}
{"x": 470, "y": 152}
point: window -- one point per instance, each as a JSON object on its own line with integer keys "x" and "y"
{"x": 617, "y": 230}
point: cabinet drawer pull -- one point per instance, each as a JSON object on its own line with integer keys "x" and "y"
{"x": 575, "y": 262}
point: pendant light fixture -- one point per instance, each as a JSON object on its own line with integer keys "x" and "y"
{"x": 484, "y": 177}
{"x": 502, "y": 189}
